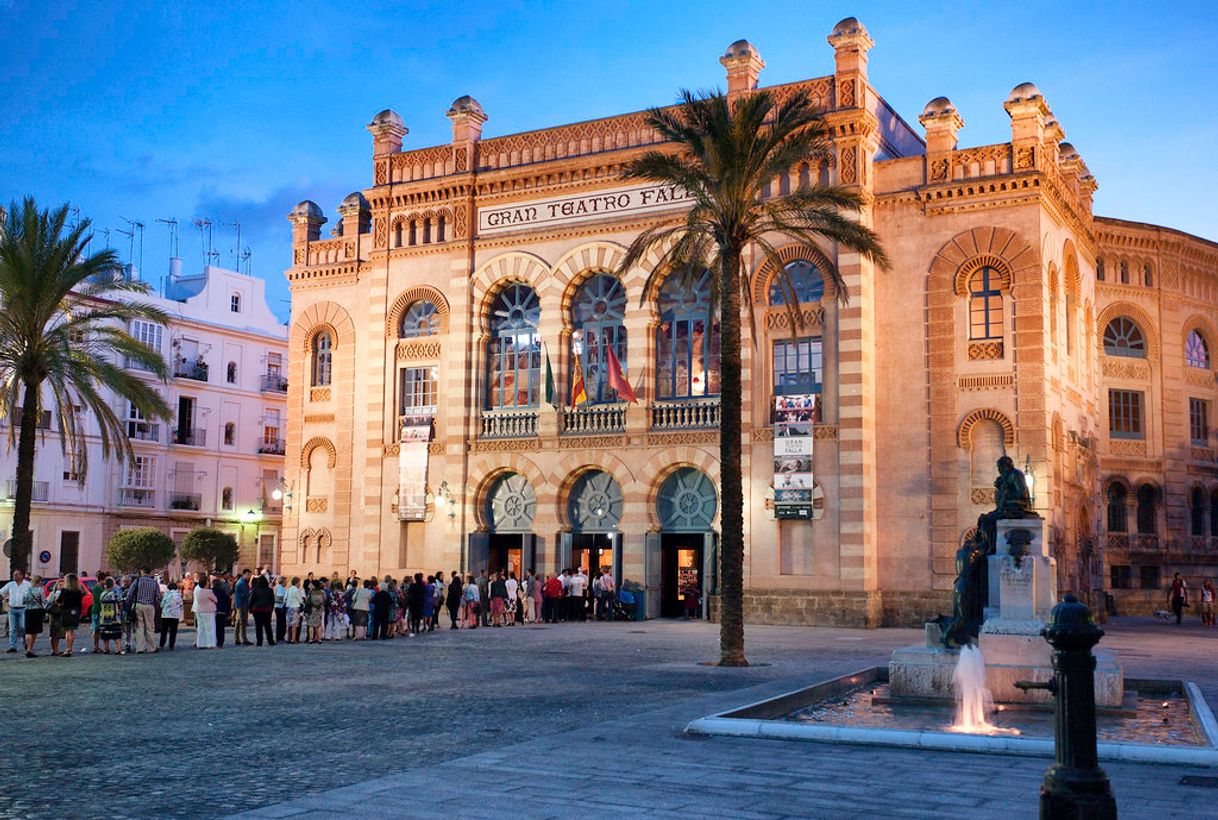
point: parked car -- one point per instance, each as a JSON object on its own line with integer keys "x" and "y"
{"x": 86, "y": 605}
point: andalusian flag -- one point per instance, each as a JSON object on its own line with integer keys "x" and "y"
{"x": 579, "y": 393}
{"x": 550, "y": 394}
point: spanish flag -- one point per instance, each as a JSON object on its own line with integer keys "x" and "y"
{"x": 579, "y": 393}
{"x": 617, "y": 379}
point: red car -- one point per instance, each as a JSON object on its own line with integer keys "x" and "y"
{"x": 85, "y": 605}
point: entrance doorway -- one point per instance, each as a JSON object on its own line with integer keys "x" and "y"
{"x": 681, "y": 573}
{"x": 509, "y": 552}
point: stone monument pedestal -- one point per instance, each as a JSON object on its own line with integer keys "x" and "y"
{"x": 1022, "y": 580}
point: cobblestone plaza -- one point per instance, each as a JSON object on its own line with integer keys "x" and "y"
{"x": 536, "y": 722}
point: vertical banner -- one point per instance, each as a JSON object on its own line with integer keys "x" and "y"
{"x": 412, "y": 472}
{"x": 794, "y": 417}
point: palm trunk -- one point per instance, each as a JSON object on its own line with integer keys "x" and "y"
{"x": 22, "y": 541}
{"x": 731, "y": 552}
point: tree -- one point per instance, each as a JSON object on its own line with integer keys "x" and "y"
{"x": 724, "y": 154}
{"x": 63, "y": 333}
{"x": 137, "y": 548}
{"x": 214, "y": 549}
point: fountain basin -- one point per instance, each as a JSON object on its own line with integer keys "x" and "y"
{"x": 914, "y": 727}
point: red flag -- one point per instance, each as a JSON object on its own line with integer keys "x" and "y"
{"x": 617, "y": 379}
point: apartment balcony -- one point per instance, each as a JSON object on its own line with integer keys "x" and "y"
{"x": 137, "y": 497}
{"x": 133, "y": 364}
{"x": 42, "y": 490}
{"x": 509, "y": 423}
{"x": 190, "y": 436}
{"x": 190, "y": 502}
{"x": 274, "y": 383}
{"x": 143, "y": 431}
{"x": 272, "y": 446}
{"x": 191, "y": 369}
{"x": 593, "y": 419}
{"x": 689, "y": 414}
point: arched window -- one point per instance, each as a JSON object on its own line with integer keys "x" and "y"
{"x": 231, "y": 373}
{"x": 1148, "y": 519}
{"x": 226, "y": 498}
{"x": 420, "y": 319}
{"x": 1123, "y": 337}
{"x": 1118, "y": 514}
{"x": 1070, "y": 320}
{"x": 1196, "y": 511}
{"x": 1124, "y": 272}
{"x": 596, "y": 318}
{"x": 514, "y": 350}
{"x": 397, "y": 234}
{"x": 322, "y": 352}
{"x": 687, "y": 339}
{"x": 230, "y": 433}
{"x": 1147, "y": 275}
{"x": 1196, "y": 351}
{"x": 985, "y": 304}
{"x": 1099, "y": 270}
{"x": 804, "y": 278}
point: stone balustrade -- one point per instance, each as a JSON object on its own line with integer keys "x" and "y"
{"x": 692, "y": 414}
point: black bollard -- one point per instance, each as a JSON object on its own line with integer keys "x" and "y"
{"x": 1075, "y": 786}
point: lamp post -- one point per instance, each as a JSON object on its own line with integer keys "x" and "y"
{"x": 1030, "y": 478}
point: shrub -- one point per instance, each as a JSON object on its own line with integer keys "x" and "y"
{"x": 134, "y": 549}
{"x": 215, "y": 549}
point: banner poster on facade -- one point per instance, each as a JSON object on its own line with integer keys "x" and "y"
{"x": 412, "y": 472}
{"x": 794, "y": 417}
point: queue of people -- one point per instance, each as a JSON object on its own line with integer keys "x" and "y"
{"x": 142, "y": 614}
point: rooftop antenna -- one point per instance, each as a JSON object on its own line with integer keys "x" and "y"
{"x": 131, "y": 240}
{"x": 206, "y": 235}
{"x": 137, "y": 228}
{"x": 245, "y": 258}
{"x": 173, "y": 246}
{"x": 106, "y": 233}
{"x": 237, "y": 249}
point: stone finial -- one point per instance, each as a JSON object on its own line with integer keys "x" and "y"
{"x": 941, "y": 121}
{"x": 467, "y": 117}
{"x": 307, "y": 219}
{"x": 387, "y": 129}
{"x": 356, "y": 214}
{"x": 743, "y": 63}
{"x": 1029, "y": 113}
{"x": 850, "y": 42}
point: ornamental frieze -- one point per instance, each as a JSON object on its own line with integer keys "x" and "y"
{"x": 1117, "y": 369}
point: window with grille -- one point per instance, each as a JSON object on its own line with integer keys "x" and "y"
{"x": 1125, "y": 414}
{"x": 418, "y": 391}
{"x": 1123, "y": 337}
{"x": 1199, "y": 421}
{"x": 1196, "y": 351}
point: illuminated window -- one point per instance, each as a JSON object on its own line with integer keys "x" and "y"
{"x": 687, "y": 339}
{"x": 1196, "y": 351}
{"x": 597, "y": 314}
{"x": 322, "y": 361}
{"x": 514, "y": 350}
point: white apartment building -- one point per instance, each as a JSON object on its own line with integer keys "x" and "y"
{"x": 217, "y": 462}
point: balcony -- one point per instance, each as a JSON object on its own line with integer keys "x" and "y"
{"x": 42, "y": 490}
{"x": 274, "y": 383}
{"x": 509, "y": 423}
{"x": 143, "y": 431}
{"x": 190, "y": 369}
{"x": 593, "y": 419}
{"x": 271, "y": 446}
{"x": 691, "y": 414}
{"x": 190, "y": 436}
{"x": 191, "y": 502}
{"x": 134, "y": 364}
{"x": 137, "y": 497}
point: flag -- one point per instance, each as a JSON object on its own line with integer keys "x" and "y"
{"x": 579, "y": 393}
{"x": 617, "y": 379}
{"x": 549, "y": 397}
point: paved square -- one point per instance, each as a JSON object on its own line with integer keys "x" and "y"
{"x": 536, "y": 722}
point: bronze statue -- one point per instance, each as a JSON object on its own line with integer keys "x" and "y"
{"x": 971, "y": 592}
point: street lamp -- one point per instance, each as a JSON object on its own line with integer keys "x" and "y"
{"x": 1031, "y": 479}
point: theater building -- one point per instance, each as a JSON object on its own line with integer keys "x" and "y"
{"x": 421, "y": 434}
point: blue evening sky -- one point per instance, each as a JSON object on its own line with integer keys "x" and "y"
{"x": 234, "y": 111}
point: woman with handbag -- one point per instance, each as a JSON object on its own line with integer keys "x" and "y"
{"x": 204, "y": 609}
{"x": 67, "y": 600}
{"x": 35, "y": 614}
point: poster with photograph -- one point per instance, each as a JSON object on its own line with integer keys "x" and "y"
{"x": 412, "y": 472}
{"x": 794, "y": 417}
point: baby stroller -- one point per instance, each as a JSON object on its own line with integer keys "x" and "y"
{"x": 624, "y": 606}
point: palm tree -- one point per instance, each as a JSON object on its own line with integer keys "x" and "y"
{"x": 726, "y": 154}
{"x": 63, "y": 333}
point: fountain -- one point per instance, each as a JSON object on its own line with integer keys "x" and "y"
{"x": 971, "y": 662}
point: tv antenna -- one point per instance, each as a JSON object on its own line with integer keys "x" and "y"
{"x": 206, "y": 235}
{"x": 106, "y": 233}
{"x": 173, "y": 235}
{"x": 237, "y": 249}
{"x": 245, "y": 259}
{"x": 137, "y": 231}
{"x": 131, "y": 240}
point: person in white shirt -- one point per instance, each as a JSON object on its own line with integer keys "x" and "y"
{"x": 575, "y": 591}
{"x": 14, "y": 595}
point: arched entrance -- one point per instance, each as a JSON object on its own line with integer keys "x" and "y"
{"x": 509, "y": 544}
{"x": 683, "y": 553}
{"x": 595, "y": 511}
